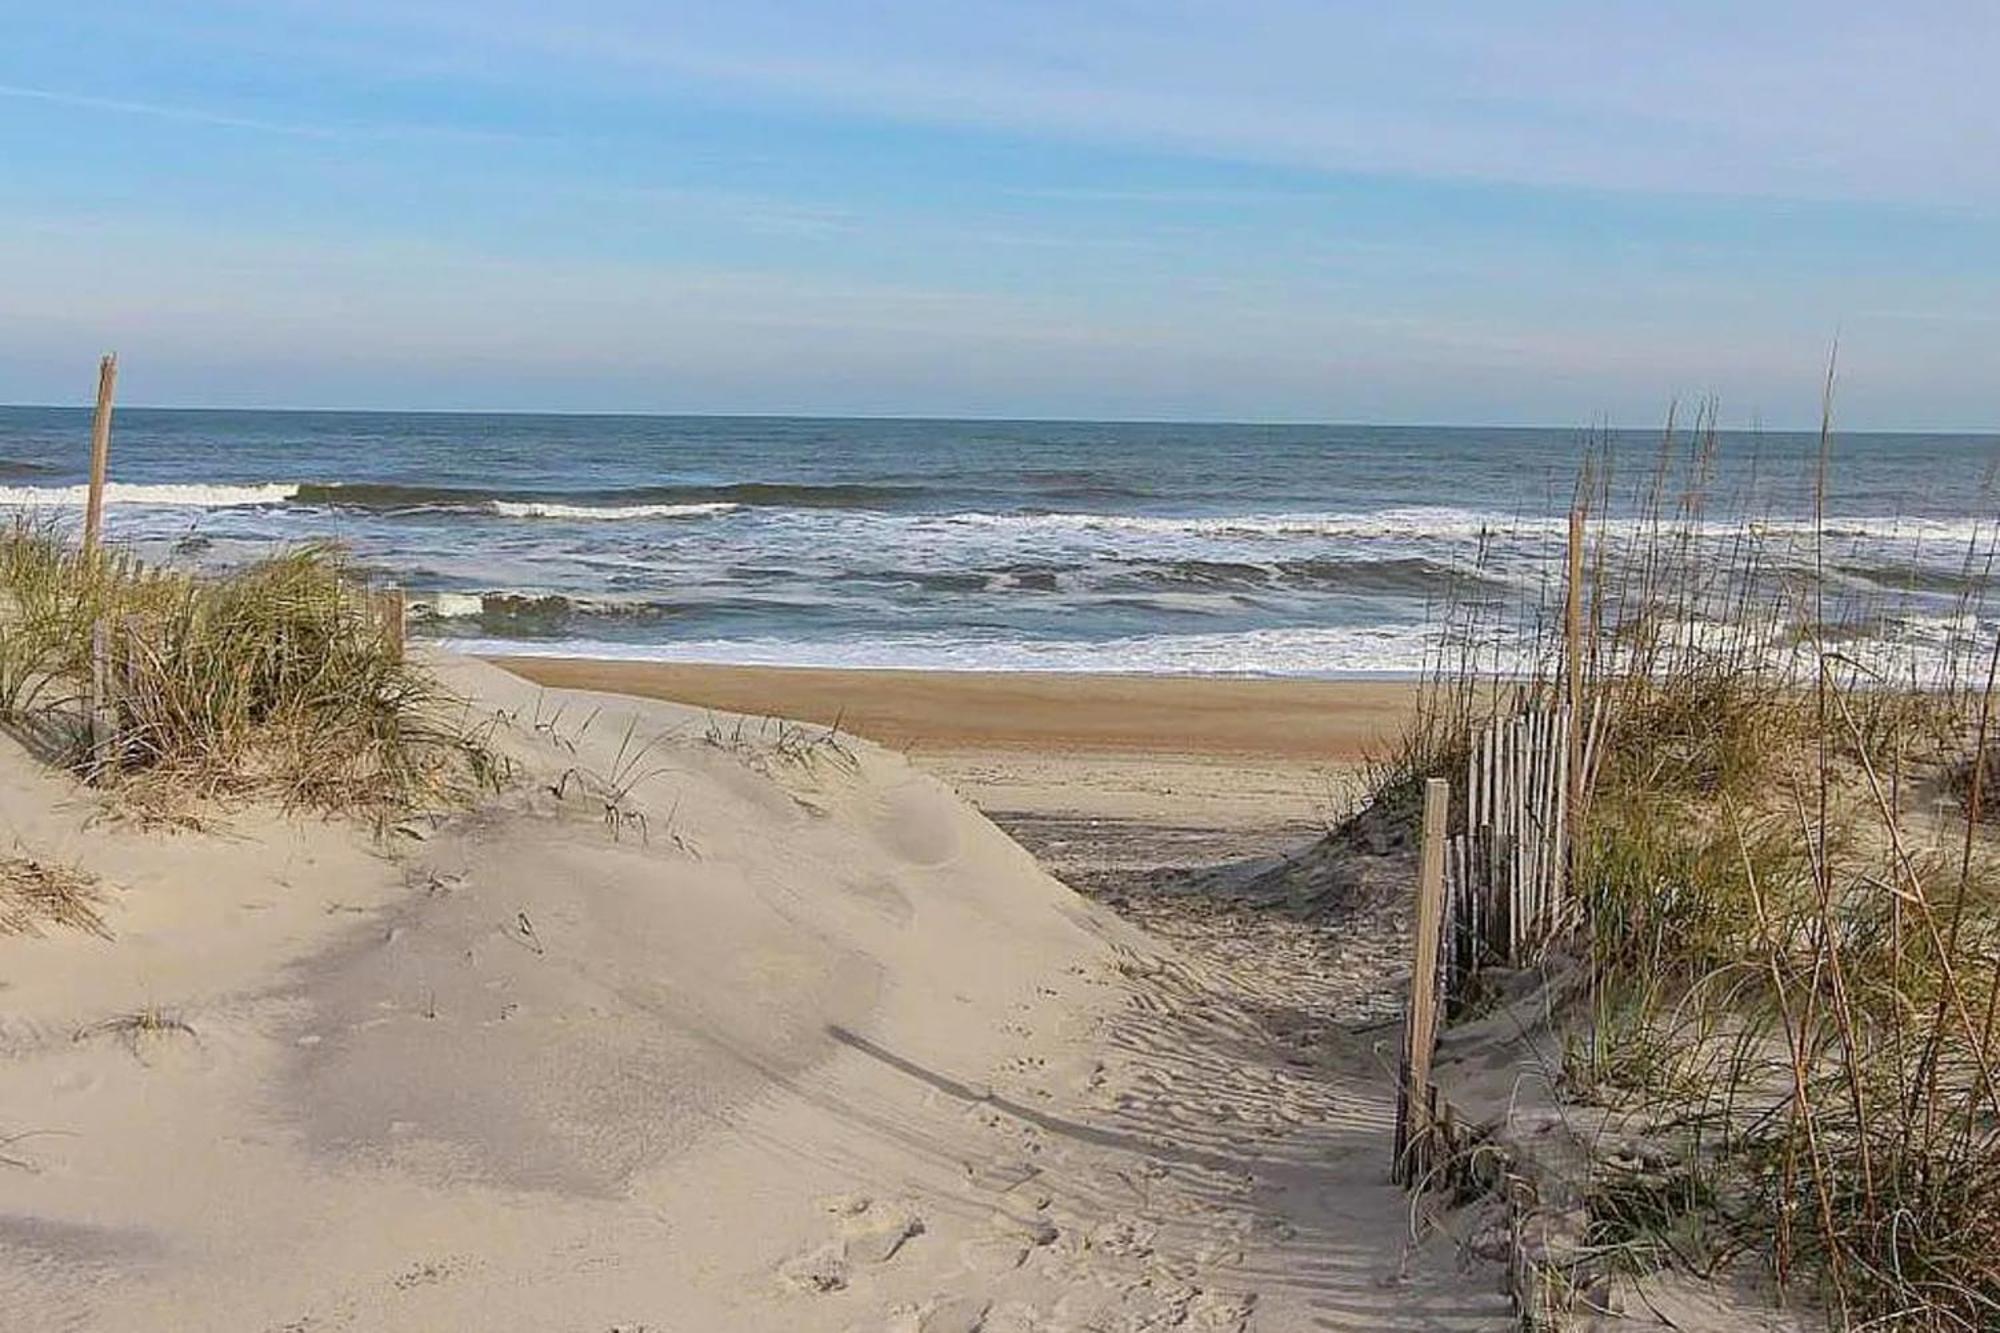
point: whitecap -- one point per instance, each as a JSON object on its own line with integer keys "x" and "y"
{"x": 194, "y": 495}
{"x": 547, "y": 509}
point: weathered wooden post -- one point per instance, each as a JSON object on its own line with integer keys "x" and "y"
{"x": 100, "y": 452}
{"x": 1414, "y": 1125}
{"x": 1571, "y": 823}
{"x": 102, "y": 721}
{"x": 394, "y": 611}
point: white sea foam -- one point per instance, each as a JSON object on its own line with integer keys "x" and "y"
{"x": 1455, "y": 523}
{"x": 448, "y": 605}
{"x": 1416, "y": 522}
{"x": 1379, "y": 523}
{"x": 1295, "y": 651}
{"x": 202, "y": 495}
{"x": 1919, "y": 649}
{"x": 183, "y": 496}
{"x": 546, "y": 509}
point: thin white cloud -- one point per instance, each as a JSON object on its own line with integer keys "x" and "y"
{"x": 1819, "y": 99}
{"x": 159, "y": 111}
{"x": 194, "y": 115}
{"x": 1834, "y": 100}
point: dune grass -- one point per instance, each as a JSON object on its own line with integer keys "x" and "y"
{"x": 275, "y": 681}
{"x": 37, "y": 893}
{"x": 1790, "y": 898}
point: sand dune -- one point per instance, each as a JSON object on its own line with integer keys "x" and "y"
{"x": 784, "y": 1036}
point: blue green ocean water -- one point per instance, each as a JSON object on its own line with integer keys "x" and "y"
{"x": 1263, "y": 549}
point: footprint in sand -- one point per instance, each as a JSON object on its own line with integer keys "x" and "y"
{"x": 1013, "y": 1232}
{"x": 1220, "y": 1312}
{"x": 1125, "y": 1236}
{"x": 868, "y": 1232}
{"x": 1013, "y": 1317}
{"x": 993, "y": 1255}
{"x": 1155, "y": 1302}
{"x": 876, "y": 1239}
{"x": 955, "y": 1314}
{"x": 943, "y": 1314}
{"x": 1002, "y": 1174}
{"x": 1032, "y": 1229}
{"x": 818, "y": 1271}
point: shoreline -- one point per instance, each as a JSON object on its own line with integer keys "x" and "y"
{"x": 1338, "y": 721}
{"x": 1095, "y": 773}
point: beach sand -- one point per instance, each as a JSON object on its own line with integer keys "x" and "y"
{"x": 1309, "y": 722}
{"x": 699, "y": 1026}
{"x": 1085, "y": 770}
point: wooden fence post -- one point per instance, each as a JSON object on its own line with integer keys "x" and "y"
{"x": 1571, "y": 823}
{"x": 1420, "y": 1023}
{"x": 100, "y": 452}
{"x": 394, "y": 611}
{"x": 102, "y": 721}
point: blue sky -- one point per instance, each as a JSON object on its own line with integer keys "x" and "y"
{"x": 1549, "y": 212}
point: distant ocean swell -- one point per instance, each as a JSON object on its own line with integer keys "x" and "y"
{"x": 672, "y": 502}
{"x": 1280, "y": 550}
{"x": 535, "y": 614}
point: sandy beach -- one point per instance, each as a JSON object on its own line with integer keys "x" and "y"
{"x": 1088, "y": 771}
{"x": 1308, "y": 722}
{"x": 750, "y": 1035}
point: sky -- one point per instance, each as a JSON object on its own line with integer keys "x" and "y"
{"x": 1559, "y": 212}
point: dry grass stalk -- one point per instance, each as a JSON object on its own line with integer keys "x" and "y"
{"x": 34, "y": 893}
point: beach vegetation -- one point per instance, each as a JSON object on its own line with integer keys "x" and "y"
{"x": 277, "y": 680}
{"x": 761, "y": 742}
{"x": 35, "y": 893}
{"x": 1786, "y": 887}
{"x": 613, "y": 787}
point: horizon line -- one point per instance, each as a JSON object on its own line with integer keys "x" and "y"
{"x": 1269, "y": 423}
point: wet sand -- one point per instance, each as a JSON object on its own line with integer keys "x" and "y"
{"x": 1309, "y": 721}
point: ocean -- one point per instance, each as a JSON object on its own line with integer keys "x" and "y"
{"x": 1002, "y": 545}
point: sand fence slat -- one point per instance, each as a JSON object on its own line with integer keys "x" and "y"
{"x": 1416, "y": 1105}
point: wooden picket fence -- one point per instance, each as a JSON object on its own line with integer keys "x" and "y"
{"x": 1495, "y": 889}
{"x": 1507, "y": 868}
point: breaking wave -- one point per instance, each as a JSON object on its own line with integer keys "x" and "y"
{"x": 632, "y": 502}
{"x": 193, "y": 495}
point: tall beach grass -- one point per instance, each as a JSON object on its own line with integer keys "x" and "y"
{"x": 278, "y": 681}
{"x": 1787, "y": 882}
